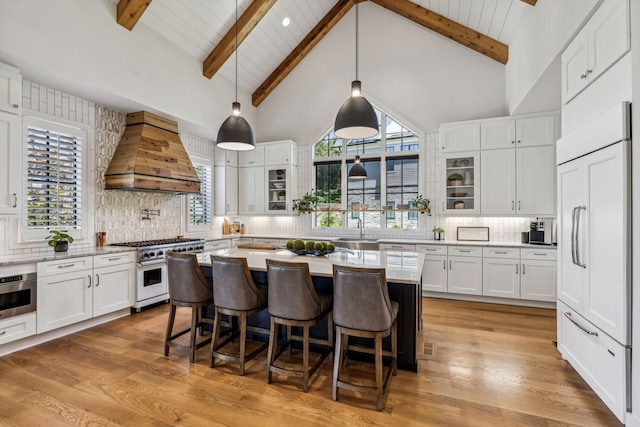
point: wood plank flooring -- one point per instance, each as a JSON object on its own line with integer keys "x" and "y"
{"x": 484, "y": 365}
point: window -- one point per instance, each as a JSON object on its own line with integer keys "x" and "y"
{"x": 391, "y": 160}
{"x": 55, "y": 166}
{"x": 200, "y": 206}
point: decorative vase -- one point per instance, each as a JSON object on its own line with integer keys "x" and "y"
{"x": 61, "y": 246}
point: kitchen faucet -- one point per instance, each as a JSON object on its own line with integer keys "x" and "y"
{"x": 361, "y": 227}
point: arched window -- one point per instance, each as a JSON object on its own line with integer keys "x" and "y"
{"x": 391, "y": 160}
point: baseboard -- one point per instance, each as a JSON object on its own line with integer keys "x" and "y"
{"x": 491, "y": 300}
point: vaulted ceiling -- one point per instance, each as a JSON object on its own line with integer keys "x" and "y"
{"x": 268, "y": 51}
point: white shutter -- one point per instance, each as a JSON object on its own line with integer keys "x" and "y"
{"x": 200, "y": 205}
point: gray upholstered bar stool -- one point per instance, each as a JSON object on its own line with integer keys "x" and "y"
{"x": 235, "y": 294}
{"x": 293, "y": 301}
{"x": 362, "y": 308}
{"x": 187, "y": 288}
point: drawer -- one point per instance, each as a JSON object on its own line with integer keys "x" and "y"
{"x": 114, "y": 259}
{"x": 599, "y": 360}
{"x": 538, "y": 254}
{"x": 511, "y": 253}
{"x": 398, "y": 247}
{"x": 432, "y": 249}
{"x": 464, "y": 251}
{"x": 216, "y": 245}
{"x": 66, "y": 265}
{"x": 17, "y": 327}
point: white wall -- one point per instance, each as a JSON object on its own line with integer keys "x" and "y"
{"x": 541, "y": 37}
{"x": 77, "y": 46}
{"x": 417, "y": 76}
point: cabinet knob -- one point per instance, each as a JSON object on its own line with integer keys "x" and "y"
{"x": 589, "y": 71}
{"x": 15, "y": 106}
{"x": 583, "y": 76}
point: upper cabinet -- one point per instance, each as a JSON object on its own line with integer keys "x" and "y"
{"x": 603, "y": 40}
{"x": 10, "y": 163}
{"x": 225, "y": 157}
{"x": 280, "y": 153}
{"x": 10, "y": 89}
{"x": 524, "y": 132}
{"x": 252, "y": 158}
{"x": 456, "y": 137}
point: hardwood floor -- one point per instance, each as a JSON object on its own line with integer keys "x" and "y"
{"x": 491, "y": 365}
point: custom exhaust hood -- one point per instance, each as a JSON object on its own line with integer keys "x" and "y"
{"x": 151, "y": 157}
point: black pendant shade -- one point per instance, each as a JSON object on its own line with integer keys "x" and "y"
{"x": 356, "y": 118}
{"x": 236, "y": 133}
{"x": 357, "y": 170}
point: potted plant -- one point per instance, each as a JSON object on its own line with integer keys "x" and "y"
{"x": 422, "y": 203}
{"x": 306, "y": 203}
{"x": 455, "y": 179}
{"x": 59, "y": 240}
{"x": 438, "y": 233}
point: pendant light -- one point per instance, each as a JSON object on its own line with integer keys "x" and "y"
{"x": 236, "y": 133}
{"x": 356, "y": 117}
{"x": 357, "y": 170}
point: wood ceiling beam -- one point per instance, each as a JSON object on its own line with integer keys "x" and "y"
{"x": 225, "y": 48}
{"x": 448, "y": 28}
{"x": 530, "y": 2}
{"x": 129, "y": 12}
{"x": 302, "y": 49}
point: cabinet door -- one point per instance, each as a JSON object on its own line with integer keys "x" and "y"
{"x": 251, "y": 194}
{"x": 460, "y": 137}
{"x": 10, "y": 91}
{"x": 226, "y": 190}
{"x": 574, "y": 63}
{"x": 538, "y": 280}
{"x": 532, "y": 131}
{"x": 498, "y": 134}
{"x": 280, "y": 153}
{"x": 608, "y": 32}
{"x": 252, "y": 158}
{"x": 113, "y": 288}
{"x": 535, "y": 180}
{"x": 497, "y": 183}
{"x": 434, "y": 273}
{"x": 279, "y": 188}
{"x": 64, "y": 299}
{"x": 10, "y": 163}
{"x": 225, "y": 157}
{"x": 570, "y": 197}
{"x": 605, "y": 230}
{"x": 501, "y": 277}
{"x": 461, "y": 186}
{"x": 465, "y": 275}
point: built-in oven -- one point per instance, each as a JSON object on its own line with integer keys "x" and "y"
{"x": 152, "y": 285}
{"x": 18, "y": 294}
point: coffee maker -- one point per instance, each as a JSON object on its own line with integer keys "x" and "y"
{"x": 542, "y": 231}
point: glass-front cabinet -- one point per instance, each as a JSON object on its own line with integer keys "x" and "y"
{"x": 280, "y": 181}
{"x": 461, "y": 180}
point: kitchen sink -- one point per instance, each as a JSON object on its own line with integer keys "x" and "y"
{"x": 355, "y": 243}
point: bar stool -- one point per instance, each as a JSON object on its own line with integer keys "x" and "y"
{"x": 362, "y": 308}
{"x": 187, "y": 288}
{"x": 293, "y": 301}
{"x": 235, "y": 294}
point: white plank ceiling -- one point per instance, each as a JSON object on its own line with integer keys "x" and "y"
{"x": 196, "y": 26}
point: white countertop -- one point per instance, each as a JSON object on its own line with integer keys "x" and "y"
{"x": 401, "y": 267}
{"x": 50, "y": 255}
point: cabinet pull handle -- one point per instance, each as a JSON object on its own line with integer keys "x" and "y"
{"x": 523, "y": 269}
{"x": 568, "y": 316}
{"x": 15, "y": 200}
{"x": 589, "y": 71}
{"x": 583, "y": 76}
{"x": 15, "y": 105}
{"x": 115, "y": 258}
{"x": 578, "y": 215}
{"x": 430, "y": 249}
{"x": 444, "y": 264}
{"x": 89, "y": 276}
{"x": 97, "y": 280}
{"x": 573, "y": 235}
{"x": 443, "y": 205}
{"x": 449, "y": 264}
{"x": 66, "y": 265}
{"x": 464, "y": 250}
{"x": 519, "y": 205}
{"x": 516, "y": 268}
{"x": 501, "y": 252}
{"x": 512, "y": 205}
{"x": 513, "y": 142}
{"x": 539, "y": 254}
{"x": 2, "y": 332}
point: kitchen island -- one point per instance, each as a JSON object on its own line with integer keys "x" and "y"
{"x": 403, "y": 271}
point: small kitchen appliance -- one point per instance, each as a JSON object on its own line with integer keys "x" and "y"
{"x": 542, "y": 232}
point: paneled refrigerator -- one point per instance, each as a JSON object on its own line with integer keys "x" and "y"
{"x": 594, "y": 254}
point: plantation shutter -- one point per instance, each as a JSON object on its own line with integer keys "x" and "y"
{"x": 200, "y": 205}
{"x": 54, "y": 180}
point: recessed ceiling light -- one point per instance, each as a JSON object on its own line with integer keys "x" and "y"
{"x": 286, "y": 21}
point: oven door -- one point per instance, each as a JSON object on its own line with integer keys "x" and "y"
{"x": 152, "y": 280}
{"x": 17, "y": 295}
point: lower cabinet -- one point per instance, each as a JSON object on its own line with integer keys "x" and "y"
{"x": 77, "y": 289}
{"x": 538, "y": 274}
{"x": 465, "y": 270}
{"x": 17, "y": 327}
{"x": 501, "y": 272}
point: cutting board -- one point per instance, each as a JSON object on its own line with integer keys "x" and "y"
{"x": 266, "y": 246}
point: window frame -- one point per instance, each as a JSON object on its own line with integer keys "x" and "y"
{"x": 198, "y": 228}
{"x": 35, "y": 237}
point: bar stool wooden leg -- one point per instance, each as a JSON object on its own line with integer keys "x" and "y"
{"x": 305, "y": 357}
{"x": 167, "y": 338}
{"x": 216, "y": 336}
{"x": 394, "y": 348}
{"x": 337, "y": 363}
{"x": 289, "y": 342}
{"x": 243, "y": 341}
{"x": 273, "y": 345}
{"x": 379, "y": 378}
{"x": 192, "y": 339}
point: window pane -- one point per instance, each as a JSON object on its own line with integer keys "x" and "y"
{"x": 399, "y": 138}
{"x": 365, "y": 191}
{"x": 329, "y": 146}
{"x": 402, "y": 188}
{"x": 200, "y": 205}
{"x": 329, "y": 190}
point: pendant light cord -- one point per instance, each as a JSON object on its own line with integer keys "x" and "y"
{"x": 236, "y": 25}
{"x": 356, "y": 41}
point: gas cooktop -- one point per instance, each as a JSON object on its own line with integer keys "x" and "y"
{"x": 156, "y": 250}
{"x": 157, "y": 242}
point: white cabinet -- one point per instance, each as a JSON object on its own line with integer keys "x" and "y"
{"x": 538, "y": 274}
{"x": 593, "y": 277}
{"x": 603, "y": 40}
{"x": 17, "y": 327}
{"x": 226, "y": 190}
{"x": 459, "y": 137}
{"x": 465, "y": 270}
{"x": 10, "y": 163}
{"x": 281, "y": 188}
{"x": 435, "y": 269}
{"x": 461, "y": 188}
{"x": 397, "y": 247}
{"x": 521, "y": 132}
{"x": 501, "y": 272}
{"x": 225, "y": 157}
{"x": 280, "y": 153}
{"x": 252, "y": 158}
{"x": 71, "y": 290}
{"x": 251, "y": 190}
{"x": 217, "y": 245}
{"x": 10, "y": 89}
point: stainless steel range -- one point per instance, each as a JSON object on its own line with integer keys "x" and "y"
{"x": 151, "y": 284}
